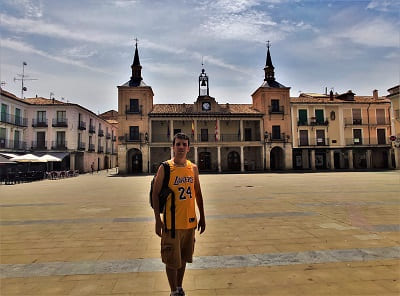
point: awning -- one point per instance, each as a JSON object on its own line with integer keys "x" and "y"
{"x": 8, "y": 155}
{"x": 27, "y": 158}
{"x": 60, "y": 155}
{"x": 4, "y": 160}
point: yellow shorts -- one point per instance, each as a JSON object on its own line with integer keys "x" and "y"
{"x": 175, "y": 251}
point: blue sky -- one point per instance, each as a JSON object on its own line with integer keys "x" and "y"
{"x": 82, "y": 50}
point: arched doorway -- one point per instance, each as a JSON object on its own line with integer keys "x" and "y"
{"x": 233, "y": 161}
{"x": 135, "y": 163}
{"x": 204, "y": 161}
{"x": 106, "y": 163}
{"x": 276, "y": 158}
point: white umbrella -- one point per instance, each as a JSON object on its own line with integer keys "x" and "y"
{"x": 48, "y": 157}
{"x": 27, "y": 158}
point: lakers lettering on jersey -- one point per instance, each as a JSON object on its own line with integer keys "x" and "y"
{"x": 181, "y": 182}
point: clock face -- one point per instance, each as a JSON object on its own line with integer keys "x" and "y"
{"x": 206, "y": 106}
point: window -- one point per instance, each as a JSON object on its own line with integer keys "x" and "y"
{"x": 303, "y": 138}
{"x": 16, "y": 140}
{"x": 381, "y": 134}
{"x": 320, "y": 137}
{"x": 2, "y": 137}
{"x": 275, "y": 105}
{"x": 356, "y": 116}
{"x": 357, "y": 136}
{"x": 41, "y": 140}
{"x": 380, "y": 116}
{"x": 134, "y": 133}
{"x": 276, "y": 132}
{"x": 41, "y": 116}
{"x": 247, "y": 134}
{"x": 319, "y": 116}
{"x": 60, "y": 136}
{"x": 4, "y": 111}
{"x": 302, "y": 117}
{"x": 18, "y": 120}
{"x": 204, "y": 135}
{"x": 61, "y": 116}
{"x": 134, "y": 105}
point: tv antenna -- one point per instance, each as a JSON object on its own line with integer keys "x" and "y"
{"x": 22, "y": 77}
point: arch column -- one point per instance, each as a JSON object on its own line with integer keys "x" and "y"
{"x": 219, "y": 159}
{"x": 268, "y": 159}
{"x": 313, "y": 159}
{"x": 350, "y": 154}
{"x": 241, "y": 158}
{"x": 196, "y": 156}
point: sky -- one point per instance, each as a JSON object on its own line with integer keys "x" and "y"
{"x": 80, "y": 51}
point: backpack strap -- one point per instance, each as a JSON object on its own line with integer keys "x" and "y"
{"x": 167, "y": 171}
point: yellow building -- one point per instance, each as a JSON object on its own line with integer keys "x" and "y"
{"x": 341, "y": 131}
{"x": 394, "y": 97}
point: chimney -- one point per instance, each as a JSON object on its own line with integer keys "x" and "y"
{"x": 52, "y": 100}
{"x": 331, "y": 95}
{"x": 375, "y": 94}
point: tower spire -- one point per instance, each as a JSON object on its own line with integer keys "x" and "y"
{"x": 269, "y": 68}
{"x": 136, "y": 77}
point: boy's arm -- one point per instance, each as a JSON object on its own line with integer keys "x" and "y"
{"x": 199, "y": 200}
{"x": 156, "y": 205}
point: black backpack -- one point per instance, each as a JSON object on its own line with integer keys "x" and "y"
{"x": 162, "y": 197}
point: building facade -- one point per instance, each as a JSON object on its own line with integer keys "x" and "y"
{"x": 394, "y": 97}
{"x": 48, "y": 126}
{"x": 275, "y": 132}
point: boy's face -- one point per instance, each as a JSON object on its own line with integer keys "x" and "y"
{"x": 181, "y": 147}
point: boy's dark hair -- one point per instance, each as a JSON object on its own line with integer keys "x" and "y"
{"x": 181, "y": 136}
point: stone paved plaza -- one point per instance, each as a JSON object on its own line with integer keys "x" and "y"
{"x": 267, "y": 234}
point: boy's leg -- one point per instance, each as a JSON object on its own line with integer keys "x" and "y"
{"x": 172, "y": 278}
{"x": 181, "y": 274}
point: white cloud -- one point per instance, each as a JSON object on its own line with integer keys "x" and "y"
{"x": 29, "y": 8}
{"x": 26, "y": 48}
{"x": 79, "y": 52}
{"x": 384, "y": 5}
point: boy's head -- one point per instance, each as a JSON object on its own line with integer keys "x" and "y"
{"x": 181, "y": 136}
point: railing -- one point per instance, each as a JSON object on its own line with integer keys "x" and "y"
{"x": 132, "y": 111}
{"x": 356, "y": 141}
{"x": 101, "y": 133}
{"x": 41, "y": 145}
{"x": 91, "y": 148}
{"x": 276, "y": 110}
{"x": 82, "y": 125}
{"x": 365, "y": 142}
{"x": 155, "y": 137}
{"x": 39, "y": 122}
{"x": 278, "y": 138}
{"x": 316, "y": 121}
{"x": 92, "y": 129}
{"x": 349, "y": 121}
{"x": 206, "y": 138}
{"x": 60, "y": 122}
{"x": 11, "y": 144}
{"x": 230, "y": 137}
{"x": 100, "y": 149}
{"x": 108, "y": 150}
{"x": 81, "y": 146}
{"x": 114, "y": 138}
{"x": 12, "y": 119}
{"x": 136, "y": 138}
{"x": 108, "y": 136}
{"x": 382, "y": 121}
{"x": 59, "y": 145}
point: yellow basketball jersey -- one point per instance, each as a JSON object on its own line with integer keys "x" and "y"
{"x": 181, "y": 182}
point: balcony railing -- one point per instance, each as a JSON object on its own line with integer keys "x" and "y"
{"x": 230, "y": 137}
{"x": 108, "y": 136}
{"x": 206, "y": 138}
{"x": 92, "y": 129}
{"x": 278, "y": 138}
{"x": 316, "y": 121}
{"x": 276, "y": 109}
{"x": 108, "y": 150}
{"x": 100, "y": 149}
{"x": 13, "y": 145}
{"x": 134, "y": 138}
{"x": 91, "y": 148}
{"x": 128, "y": 110}
{"x": 82, "y": 125}
{"x": 314, "y": 142}
{"x": 39, "y": 145}
{"x": 114, "y": 138}
{"x": 59, "y": 145}
{"x": 354, "y": 121}
{"x": 60, "y": 122}
{"x": 12, "y": 119}
{"x": 383, "y": 121}
{"x": 356, "y": 141}
{"x": 39, "y": 122}
{"x": 81, "y": 146}
{"x": 101, "y": 133}
{"x": 366, "y": 142}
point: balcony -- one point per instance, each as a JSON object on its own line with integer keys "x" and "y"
{"x": 60, "y": 122}
{"x": 81, "y": 146}
{"x": 108, "y": 136}
{"x": 101, "y": 133}
{"x": 279, "y": 138}
{"x": 91, "y": 148}
{"x": 12, "y": 119}
{"x": 12, "y": 145}
{"x": 100, "y": 149}
{"x": 383, "y": 121}
{"x": 319, "y": 122}
{"x": 134, "y": 138}
{"x": 39, "y": 145}
{"x": 354, "y": 121}
{"x": 129, "y": 110}
{"x": 108, "y": 150}
{"x": 82, "y": 125}
{"x": 92, "y": 129}
{"x": 59, "y": 145}
{"x": 356, "y": 141}
{"x": 302, "y": 122}
{"x": 206, "y": 138}
{"x": 114, "y": 138}
{"x": 39, "y": 122}
{"x": 276, "y": 110}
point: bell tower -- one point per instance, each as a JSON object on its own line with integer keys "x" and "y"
{"x": 203, "y": 84}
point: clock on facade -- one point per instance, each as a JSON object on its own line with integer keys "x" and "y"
{"x": 206, "y": 106}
